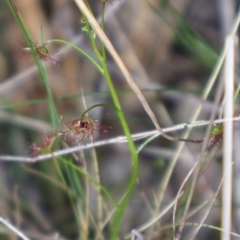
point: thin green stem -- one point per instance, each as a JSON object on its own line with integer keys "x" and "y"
{"x": 42, "y": 71}
{"x": 99, "y": 105}
{"x": 81, "y": 51}
{"x": 140, "y": 148}
{"x": 122, "y": 205}
{"x": 103, "y": 26}
{"x": 87, "y": 175}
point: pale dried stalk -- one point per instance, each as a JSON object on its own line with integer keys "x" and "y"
{"x": 228, "y": 140}
{"x": 115, "y": 140}
{"x": 13, "y": 229}
{"x": 102, "y": 36}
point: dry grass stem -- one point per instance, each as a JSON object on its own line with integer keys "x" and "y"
{"x": 228, "y": 140}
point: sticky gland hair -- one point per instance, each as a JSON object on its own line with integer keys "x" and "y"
{"x": 45, "y": 146}
{"x": 82, "y": 127}
{"x": 42, "y": 53}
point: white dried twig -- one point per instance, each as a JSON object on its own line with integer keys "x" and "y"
{"x": 120, "y": 139}
{"x": 13, "y": 229}
{"x": 136, "y": 235}
{"x": 228, "y": 140}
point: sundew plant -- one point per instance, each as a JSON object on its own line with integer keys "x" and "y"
{"x": 117, "y": 120}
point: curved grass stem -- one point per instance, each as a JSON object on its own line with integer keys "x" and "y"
{"x": 79, "y": 50}
{"x": 123, "y": 203}
{"x": 41, "y": 68}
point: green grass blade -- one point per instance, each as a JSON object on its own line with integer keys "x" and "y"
{"x": 134, "y": 155}
{"x": 79, "y": 50}
{"x": 188, "y": 37}
{"x": 42, "y": 71}
{"x": 85, "y": 174}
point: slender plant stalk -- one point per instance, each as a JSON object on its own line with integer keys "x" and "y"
{"x": 206, "y": 92}
{"x": 95, "y": 26}
{"x": 97, "y": 177}
{"x": 27, "y": 36}
{"x": 98, "y": 190}
{"x": 193, "y": 235}
{"x": 215, "y": 72}
{"x": 131, "y": 184}
{"x": 79, "y": 50}
{"x": 122, "y": 205}
{"x": 228, "y": 140}
{"x": 13, "y": 229}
